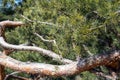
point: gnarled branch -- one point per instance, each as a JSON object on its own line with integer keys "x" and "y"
{"x": 59, "y": 70}
{"x": 3, "y": 25}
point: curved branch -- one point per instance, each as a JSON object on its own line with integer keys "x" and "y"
{"x": 34, "y": 48}
{"x": 59, "y": 70}
{"x": 16, "y": 77}
{"x": 13, "y": 73}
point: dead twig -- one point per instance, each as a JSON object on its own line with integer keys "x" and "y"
{"x": 47, "y": 23}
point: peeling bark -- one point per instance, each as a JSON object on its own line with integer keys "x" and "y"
{"x": 59, "y": 70}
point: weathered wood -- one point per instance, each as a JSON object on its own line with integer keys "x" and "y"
{"x": 60, "y": 70}
{"x": 42, "y": 51}
{"x": 2, "y": 72}
{"x": 3, "y": 25}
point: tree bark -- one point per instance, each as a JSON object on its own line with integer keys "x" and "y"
{"x": 60, "y": 70}
{"x": 2, "y": 72}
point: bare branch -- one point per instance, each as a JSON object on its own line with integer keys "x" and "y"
{"x": 86, "y": 49}
{"x": 53, "y": 41}
{"x": 9, "y": 51}
{"x": 13, "y": 73}
{"x": 106, "y": 76}
{"x": 47, "y": 23}
{"x": 34, "y": 48}
{"x": 98, "y": 27}
{"x": 16, "y": 77}
{"x": 59, "y": 70}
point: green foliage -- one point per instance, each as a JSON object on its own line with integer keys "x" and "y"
{"x": 76, "y": 23}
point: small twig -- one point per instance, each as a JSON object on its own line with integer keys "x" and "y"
{"x": 17, "y": 77}
{"x": 26, "y": 18}
{"x": 113, "y": 75}
{"x": 47, "y": 23}
{"x": 104, "y": 75}
{"x": 92, "y": 29}
{"x": 117, "y": 12}
{"x": 13, "y": 73}
{"x": 87, "y": 50}
{"x": 52, "y": 41}
{"x": 45, "y": 40}
{"x": 26, "y": 44}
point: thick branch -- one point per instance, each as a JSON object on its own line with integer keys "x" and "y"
{"x": 60, "y": 70}
{"x": 11, "y": 23}
{"x": 34, "y": 48}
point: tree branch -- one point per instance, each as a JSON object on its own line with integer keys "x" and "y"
{"x": 48, "y": 69}
{"x": 87, "y": 50}
{"x": 7, "y": 50}
{"x": 52, "y": 41}
{"x": 16, "y": 77}
{"x": 34, "y": 48}
{"x": 45, "y": 40}
{"x": 47, "y": 23}
{"x": 3, "y": 25}
{"x": 106, "y": 76}
{"x": 13, "y": 73}
{"x": 60, "y": 70}
{"x": 11, "y": 23}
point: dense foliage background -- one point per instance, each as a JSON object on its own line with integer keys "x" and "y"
{"x": 74, "y": 24}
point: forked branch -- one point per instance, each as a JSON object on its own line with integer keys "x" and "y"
{"x": 47, "y": 69}
{"x": 49, "y": 53}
